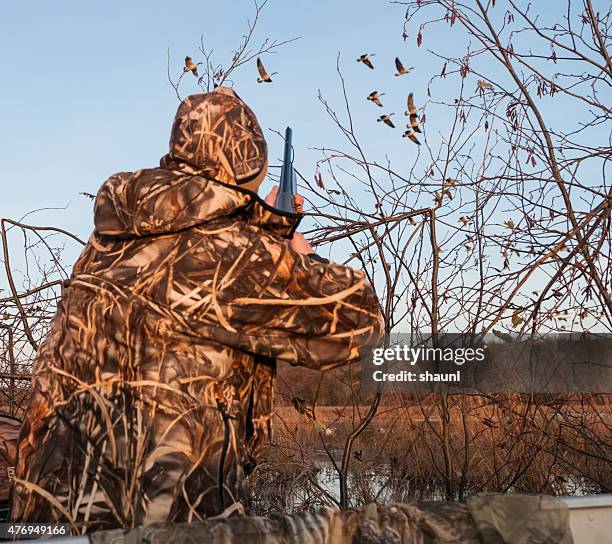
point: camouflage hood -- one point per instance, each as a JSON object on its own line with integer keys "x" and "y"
{"x": 216, "y": 135}
{"x": 216, "y": 145}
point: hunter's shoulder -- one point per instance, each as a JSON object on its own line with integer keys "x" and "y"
{"x": 147, "y": 175}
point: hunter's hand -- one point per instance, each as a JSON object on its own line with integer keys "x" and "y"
{"x": 298, "y": 203}
{"x": 271, "y": 198}
{"x": 298, "y": 200}
{"x": 298, "y": 242}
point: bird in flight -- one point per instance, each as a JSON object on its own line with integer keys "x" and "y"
{"x": 365, "y": 58}
{"x": 191, "y": 66}
{"x": 374, "y": 96}
{"x": 411, "y": 136}
{"x": 412, "y": 112}
{"x": 263, "y": 75}
{"x": 401, "y": 70}
{"x": 386, "y": 119}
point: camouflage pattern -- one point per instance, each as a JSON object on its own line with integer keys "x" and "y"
{"x": 510, "y": 519}
{"x": 217, "y": 136}
{"x": 152, "y": 393}
{"x": 9, "y": 434}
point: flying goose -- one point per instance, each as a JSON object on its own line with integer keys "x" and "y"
{"x": 374, "y": 96}
{"x": 411, "y": 136}
{"x": 191, "y": 66}
{"x": 401, "y": 70}
{"x": 412, "y": 112}
{"x": 386, "y": 119}
{"x": 365, "y": 58}
{"x": 263, "y": 75}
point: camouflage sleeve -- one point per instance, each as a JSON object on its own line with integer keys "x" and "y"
{"x": 267, "y": 299}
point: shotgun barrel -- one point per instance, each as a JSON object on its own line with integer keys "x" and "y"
{"x": 288, "y": 183}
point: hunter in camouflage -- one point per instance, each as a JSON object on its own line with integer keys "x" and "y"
{"x": 152, "y": 393}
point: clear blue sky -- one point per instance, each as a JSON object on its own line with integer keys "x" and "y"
{"x": 85, "y": 92}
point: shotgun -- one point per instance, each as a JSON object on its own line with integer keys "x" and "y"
{"x": 288, "y": 183}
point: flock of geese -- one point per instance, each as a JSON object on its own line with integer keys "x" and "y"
{"x": 375, "y": 97}
{"x": 413, "y": 125}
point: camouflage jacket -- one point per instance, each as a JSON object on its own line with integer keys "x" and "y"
{"x": 152, "y": 393}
